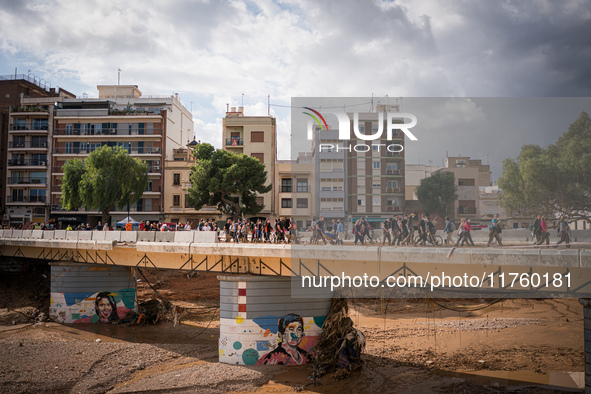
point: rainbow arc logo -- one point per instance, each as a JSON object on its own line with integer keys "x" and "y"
{"x": 315, "y": 118}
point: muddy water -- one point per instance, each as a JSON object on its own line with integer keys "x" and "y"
{"x": 156, "y": 334}
{"x": 552, "y": 380}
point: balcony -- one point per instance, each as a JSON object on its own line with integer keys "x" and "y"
{"x": 25, "y": 180}
{"x": 234, "y": 142}
{"x": 29, "y": 110}
{"x": 27, "y": 163}
{"x": 27, "y": 199}
{"x": 393, "y": 208}
{"x": 115, "y": 132}
{"x": 393, "y": 172}
{"x": 69, "y": 151}
{"x": 393, "y": 190}
{"x": 29, "y": 127}
{"x": 28, "y": 144}
{"x": 154, "y": 169}
{"x": 393, "y": 154}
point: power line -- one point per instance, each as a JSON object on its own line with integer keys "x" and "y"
{"x": 339, "y": 106}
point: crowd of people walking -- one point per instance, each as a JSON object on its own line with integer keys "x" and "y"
{"x": 400, "y": 230}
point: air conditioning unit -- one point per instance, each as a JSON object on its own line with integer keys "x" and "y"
{"x": 156, "y": 150}
{"x": 82, "y": 152}
{"x": 42, "y": 163}
{"x": 157, "y": 162}
{"x": 44, "y": 144}
{"x": 112, "y": 131}
{"x": 156, "y": 168}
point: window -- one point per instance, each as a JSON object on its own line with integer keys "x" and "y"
{"x": 361, "y": 201}
{"x": 38, "y": 142}
{"x": 286, "y": 203}
{"x": 68, "y": 147}
{"x": 38, "y": 177}
{"x": 187, "y": 201}
{"x": 20, "y": 124}
{"x": 331, "y": 165}
{"x": 466, "y": 182}
{"x": 18, "y": 141}
{"x": 376, "y": 165}
{"x": 260, "y": 156}
{"x": 37, "y": 195}
{"x": 467, "y": 207}
{"x": 286, "y": 185}
{"x": 257, "y": 136}
{"x": 302, "y": 185}
{"x": 302, "y": 203}
{"x": 392, "y": 184}
{"x": 40, "y": 124}
{"x": 376, "y": 201}
{"x": 391, "y": 166}
{"x": 176, "y": 179}
{"x": 176, "y": 200}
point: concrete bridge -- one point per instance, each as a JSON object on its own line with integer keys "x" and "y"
{"x": 263, "y": 286}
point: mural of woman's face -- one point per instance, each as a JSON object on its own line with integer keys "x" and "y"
{"x": 294, "y": 333}
{"x": 104, "y": 308}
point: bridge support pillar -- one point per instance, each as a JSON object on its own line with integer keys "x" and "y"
{"x": 89, "y": 293}
{"x": 261, "y": 324}
{"x": 586, "y": 302}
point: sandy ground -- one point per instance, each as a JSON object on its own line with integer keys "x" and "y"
{"x": 414, "y": 346}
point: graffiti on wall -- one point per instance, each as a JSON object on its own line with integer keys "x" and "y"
{"x": 100, "y": 307}
{"x": 280, "y": 340}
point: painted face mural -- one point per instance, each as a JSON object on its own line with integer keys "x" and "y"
{"x": 287, "y": 352}
{"x": 104, "y": 309}
{"x": 293, "y": 334}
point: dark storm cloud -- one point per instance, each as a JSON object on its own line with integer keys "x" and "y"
{"x": 522, "y": 48}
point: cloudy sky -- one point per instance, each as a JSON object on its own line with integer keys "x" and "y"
{"x": 218, "y": 52}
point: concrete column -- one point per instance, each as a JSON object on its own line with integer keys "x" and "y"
{"x": 261, "y": 324}
{"x": 586, "y": 302}
{"x": 88, "y": 293}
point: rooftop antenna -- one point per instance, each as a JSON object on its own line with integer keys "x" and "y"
{"x": 242, "y": 100}
{"x": 269, "y": 104}
{"x": 371, "y": 103}
{"x": 118, "y": 76}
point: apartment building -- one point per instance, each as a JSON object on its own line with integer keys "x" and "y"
{"x": 177, "y": 173}
{"x": 413, "y": 175}
{"x": 330, "y": 176}
{"x": 254, "y": 136}
{"x": 295, "y": 180}
{"x": 26, "y": 109}
{"x": 149, "y": 128}
{"x": 469, "y": 175}
{"x": 375, "y": 171}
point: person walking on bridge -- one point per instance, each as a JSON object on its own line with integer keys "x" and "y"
{"x": 495, "y": 231}
{"x": 544, "y": 234}
{"x": 449, "y": 230}
{"x": 564, "y": 231}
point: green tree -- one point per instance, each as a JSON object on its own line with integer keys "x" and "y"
{"x": 219, "y": 177}
{"x": 437, "y": 193}
{"x": 108, "y": 178}
{"x": 555, "y": 180}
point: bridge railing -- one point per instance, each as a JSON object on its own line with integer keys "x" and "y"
{"x": 116, "y": 236}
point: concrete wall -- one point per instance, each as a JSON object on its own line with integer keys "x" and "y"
{"x": 81, "y": 293}
{"x": 253, "y": 312}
